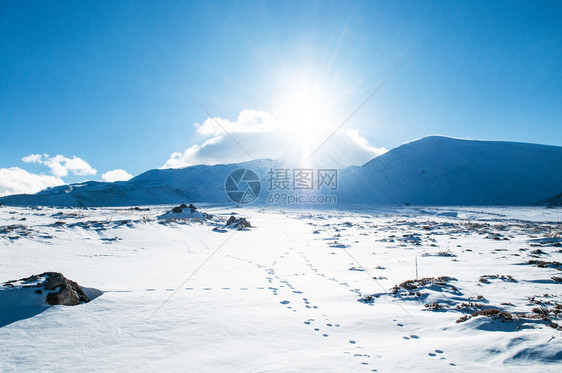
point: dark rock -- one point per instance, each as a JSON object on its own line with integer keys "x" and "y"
{"x": 367, "y": 299}
{"x": 136, "y": 208}
{"x": 239, "y": 223}
{"x": 183, "y": 206}
{"x": 60, "y": 290}
{"x": 70, "y": 293}
{"x": 177, "y": 210}
{"x": 192, "y": 207}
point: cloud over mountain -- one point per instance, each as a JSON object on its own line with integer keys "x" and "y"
{"x": 15, "y": 180}
{"x": 116, "y": 175}
{"x": 257, "y": 134}
{"x": 60, "y": 165}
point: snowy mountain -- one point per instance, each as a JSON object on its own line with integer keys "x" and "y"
{"x": 430, "y": 171}
{"x": 154, "y": 187}
{"x": 552, "y": 201}
{"x": 445, "y": 171}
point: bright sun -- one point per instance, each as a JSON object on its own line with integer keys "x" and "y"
{"x": 306, "y": 109}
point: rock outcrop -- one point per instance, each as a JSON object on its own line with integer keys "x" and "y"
{"x": 184, "y": 212}
{"x": 58, "y": 289}
{"x": 239, "y": 223}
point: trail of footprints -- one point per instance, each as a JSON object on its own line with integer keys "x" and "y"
{"x": 318, "y": 273}
{"x": 320, "y": 327}
{"x": 435, "y": 353}
{"x": 294, "y": 300}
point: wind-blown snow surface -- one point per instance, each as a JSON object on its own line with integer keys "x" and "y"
{"x": 283, "y": 295}
{"x": 431, "y": 171}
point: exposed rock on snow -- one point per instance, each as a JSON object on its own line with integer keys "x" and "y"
{"x": 58, "y": 289}
{"x": 184, "y": 212}
{"x": 136, "y": 208}
{"x": 238, "y": 223}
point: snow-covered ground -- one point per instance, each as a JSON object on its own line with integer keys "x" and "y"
{"x": 284, "y": 295}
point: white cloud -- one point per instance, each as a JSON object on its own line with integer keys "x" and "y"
{"x": 116, "y": 175}
{"x": 33, "y": 158}
{"x": 61, "y": 165}
{"x": 15, "y": 180}
{"x": 249, "y": 121}
{"x": 263, "y": 136}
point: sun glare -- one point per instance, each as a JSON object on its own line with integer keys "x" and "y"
{"x": 305, "y": 107}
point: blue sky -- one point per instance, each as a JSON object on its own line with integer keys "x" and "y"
{"x": 78, "y": 79}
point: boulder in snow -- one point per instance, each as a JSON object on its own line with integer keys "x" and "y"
{"x": 238, "y": 223}
{"x": 184, "y": 212}
{"x": 53, "y": 287}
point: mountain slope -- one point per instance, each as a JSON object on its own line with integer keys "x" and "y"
{"x": 167, "y": 186}
{"x": 552, "y": 201}
{"x": 445, "y": 171}
{"x": 430, "y": 171}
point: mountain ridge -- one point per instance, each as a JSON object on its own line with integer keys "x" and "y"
{"x": 433, "y": 170}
